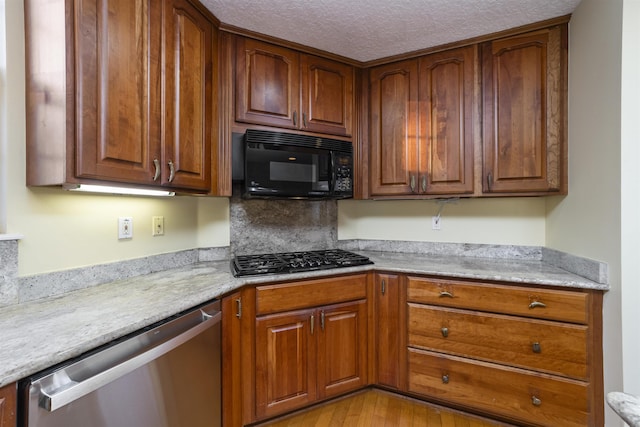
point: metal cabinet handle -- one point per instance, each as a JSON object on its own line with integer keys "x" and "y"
{"x": 535, "y": 304}
{"x": 383, "y": 285}
{"x": 445, "y": 332}
{"x": 445, "y": 379}
{"x": 536, "y": 401}
{"x": 489, "y": 180}
{"x": 295, "y": 118}
{"x": 322, "y": 320}
{"x": 412, "y": 183}
{"x": 424, "y": 183}
{"x": 312, "y": 321}
{"x": 446, "y": 294}
{"x": 156, "y": 164}
{"x": 239, "y": 308}
{"x": 172, "y": 171}
{"x": 535, "y": 347}
{"x": 304, "y": 119}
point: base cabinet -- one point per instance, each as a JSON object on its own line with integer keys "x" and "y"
{"x": 525, "y": 354}
{"x": 8, "y": 406}
{"x": 311, "y": 342}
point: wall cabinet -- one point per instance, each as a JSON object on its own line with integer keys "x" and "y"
{"x": 422, "y": 117}
{"x": 8, "y": 406}
{"x": 120, "y": 92}
{"x": 310, "y": 342}
{"x": 280, "y": 87}
{"x": 524, "y": 113}
{"x": 535, "y": 351}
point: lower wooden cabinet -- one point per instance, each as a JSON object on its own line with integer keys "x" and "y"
{"x": 527, "y": 354}
{"x": 8, "y": 406}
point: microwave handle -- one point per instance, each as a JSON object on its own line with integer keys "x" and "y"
{"x": 332, "y": 177}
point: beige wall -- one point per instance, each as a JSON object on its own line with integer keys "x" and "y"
{"x": 588, "y": 221}
{"x": 63, "y": 230}
{"x": 507, "y": 221}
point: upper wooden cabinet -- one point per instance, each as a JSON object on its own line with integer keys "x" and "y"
{"x": 524, "y": 113}
{"x": 120, "y": 92}
{"x": 421, "y": 125}
{"x": 276, "y": 86}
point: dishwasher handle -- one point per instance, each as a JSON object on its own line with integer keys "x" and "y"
{"x": 72, "y": 391}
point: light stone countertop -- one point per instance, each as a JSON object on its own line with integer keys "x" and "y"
{"x": 40, "y": 334}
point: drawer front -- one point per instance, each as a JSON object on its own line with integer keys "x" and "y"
{"x": 536, "y": 399}
{"x": 568, "y": 306}
{"x": 310, "y": 293}
{"x": 557, "y": 348}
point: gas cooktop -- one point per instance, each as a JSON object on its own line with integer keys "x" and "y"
{"x": 294, "y": 262}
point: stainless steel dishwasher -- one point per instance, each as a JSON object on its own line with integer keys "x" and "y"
{"x": 167, "y": 375}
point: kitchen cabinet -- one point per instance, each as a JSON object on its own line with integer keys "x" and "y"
{"x": 277, "y": 86}
{"x": 525, "y": 113}
{"x": 422, "y": 120}
{"x": 389, "y": 321}
{"x": 310, "y": 342}
{"x": 120, "y": 92}
{"x": 8, "y": 406}
{"x": 535, "y": 351}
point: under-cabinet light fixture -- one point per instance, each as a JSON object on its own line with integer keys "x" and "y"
{"x": 105, "y": 189}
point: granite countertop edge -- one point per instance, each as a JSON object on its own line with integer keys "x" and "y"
{"x": 40, "y": 334}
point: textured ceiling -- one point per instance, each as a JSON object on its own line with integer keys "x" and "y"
{"x": 366, "y": 30}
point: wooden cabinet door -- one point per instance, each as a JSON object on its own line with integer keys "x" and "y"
{"x": 327, "y": 96}
{"x": 285, "y": 361}
{"x": 118, "y": 90}
{"x": 524, "y": 86}
{"x": 342, "y": 348}
{"x": 389, "y": 330}
{"x": 267, "y": 84}
{"x": 394, "y": 129}
{"x": 188, "y": 97}
{"x": 447, "y": 115}
{"x": 8, "y": 406}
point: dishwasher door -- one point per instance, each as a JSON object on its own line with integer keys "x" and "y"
{"x": 168, "y": 375}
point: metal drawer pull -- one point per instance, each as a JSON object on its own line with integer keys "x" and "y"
{"x": 322, "y": 320}
{"x": 445, "y": 332}
{"x": 535, "y": 304}
{"x": 536, "y": 347}
{"x": 384, "y": 286}
{"x": 312, "y": 319}
{"x": 446, "y": 294}
{"x": 536, "y": 401}
{"x": 445, "y": 379}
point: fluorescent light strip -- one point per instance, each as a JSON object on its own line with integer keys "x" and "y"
{"x": 118, "y": 190}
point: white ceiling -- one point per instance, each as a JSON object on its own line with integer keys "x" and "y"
{"x": 366, "y": 30}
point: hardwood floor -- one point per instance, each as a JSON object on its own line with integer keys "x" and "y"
{"x": 378, "y": 408}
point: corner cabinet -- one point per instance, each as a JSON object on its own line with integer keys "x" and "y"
{"x": 120, "y": 92}
{"x": 525, "y": 113}
{"x": 8, "y": 406}
{"x": 280, "y": 87}
{"x": 422, "y": 121}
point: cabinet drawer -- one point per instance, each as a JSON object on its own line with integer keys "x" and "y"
{"x": 310, "y": 293}
{"x": 558, "y": 348}
{"x": 568, "y": 306}
{"x": 537, "y": 399}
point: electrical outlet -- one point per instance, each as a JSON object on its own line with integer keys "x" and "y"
{"x": 157, "y": 223}
{"x": 436, "y": 223}
{"x": 125, "y": 228}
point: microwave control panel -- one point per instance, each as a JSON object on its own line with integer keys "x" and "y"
{"x": 343, "y": 174}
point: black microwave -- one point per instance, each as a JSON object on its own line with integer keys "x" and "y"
{"x": 286, "y": 165}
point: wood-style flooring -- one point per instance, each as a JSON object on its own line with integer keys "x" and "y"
{"x": 378, "y": 408}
